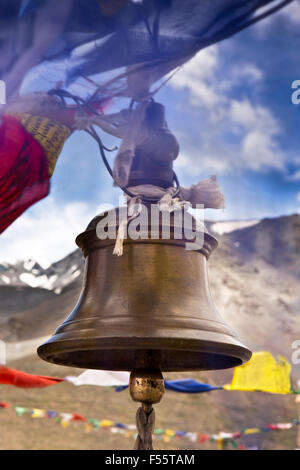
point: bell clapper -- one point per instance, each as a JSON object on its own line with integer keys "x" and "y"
{"x": 146, "y": 386}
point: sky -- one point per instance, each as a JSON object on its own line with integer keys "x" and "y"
{"x": 231, "y": 110}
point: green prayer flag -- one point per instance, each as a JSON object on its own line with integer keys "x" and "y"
{"x": 94, "y": 422}
{"x": 20, "y": 410}
{"x": 234, "y": 444}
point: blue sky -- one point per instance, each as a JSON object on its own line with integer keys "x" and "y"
{"x": 231, "y": 110}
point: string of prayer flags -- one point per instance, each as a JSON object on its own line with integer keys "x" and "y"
{"x": 120, "y": 381}
{"x": 129, "y": 430}
{"x": 262, "y": 373}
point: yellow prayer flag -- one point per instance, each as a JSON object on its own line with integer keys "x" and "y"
{"x": 169, "y": 432}
{"x": 64, "y": 423}
{"x": 105, "y": 423}
{"x": 262, "y": 373}
{"x": 220, "y": 443}
{"x": 36, "y": 413}
{"x": 252, "y": 431}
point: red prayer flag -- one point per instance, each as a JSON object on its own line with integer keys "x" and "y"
{"x": 77, "y": 417}
{"x": 22, "y": 379}
{"x": 272, "y": 426}
{"x": 4, "y": 405}
{"x": 24, "y": 177}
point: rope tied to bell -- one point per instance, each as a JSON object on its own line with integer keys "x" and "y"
{"x": 145, "y": 423}
{"x": 134, "y": 209}
{"x": 166, "y": 200}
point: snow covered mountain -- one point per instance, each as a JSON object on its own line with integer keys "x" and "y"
{"x": 30, "y": 273}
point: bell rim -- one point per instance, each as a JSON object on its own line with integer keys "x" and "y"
{"x": 233, "y": 354}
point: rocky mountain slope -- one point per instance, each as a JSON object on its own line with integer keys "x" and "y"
{"x": 275, "y": 241}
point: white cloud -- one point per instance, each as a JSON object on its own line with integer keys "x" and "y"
{"x": 197, "y": 162}
{"x": 46, "y": 232}
{"x": 252, "y": 127}
{"x": 202, "y": 77}
{"x": 249, "y": 116}
{"x": 259, "y": 151}
{"x": 197, "y": 75}
{"x": 258, "y": 144}
{"x": 200, "y": 67}
{"x": 241, "y": 74}
{"x": 250, "y": 72}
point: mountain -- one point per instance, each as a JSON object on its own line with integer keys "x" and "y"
{"x": 275, "y": 241}
{"x": 254, "y": 281}
{"x": 30, "y": 273}
{"x": 33, "y": 300}
{"x": 254, "y": 278}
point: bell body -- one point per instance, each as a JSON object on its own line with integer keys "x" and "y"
{"x": 149, "y": 308}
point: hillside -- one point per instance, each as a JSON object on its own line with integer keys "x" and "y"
{"x": 275, "y": 241}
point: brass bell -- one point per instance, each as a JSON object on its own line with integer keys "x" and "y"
{"x": 149, "y": 308}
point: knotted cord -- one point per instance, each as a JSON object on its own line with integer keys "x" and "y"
{"x": 145, "y": 423}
